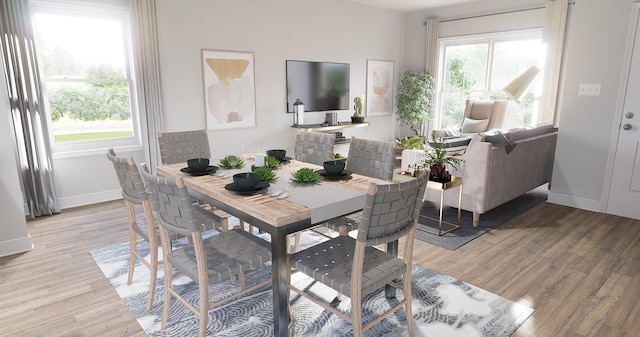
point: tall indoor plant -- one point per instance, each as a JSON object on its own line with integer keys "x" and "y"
{"x": 414, "y": 99}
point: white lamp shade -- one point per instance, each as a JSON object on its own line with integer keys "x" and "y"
{"x": 518, "y": 87}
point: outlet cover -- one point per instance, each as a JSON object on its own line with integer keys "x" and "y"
{"x": 589, "y": 89}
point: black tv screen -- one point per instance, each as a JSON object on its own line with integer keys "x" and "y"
{"x": 321, "y": 86}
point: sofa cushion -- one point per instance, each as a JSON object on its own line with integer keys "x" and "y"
{"x": 497, "y": 138}
{"x": 515, "y": 135}
{"x": 470, "y": 125}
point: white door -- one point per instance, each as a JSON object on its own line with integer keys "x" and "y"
{"x": 624, "y": 194}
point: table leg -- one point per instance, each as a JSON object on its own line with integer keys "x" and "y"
{"x": 280, "y": 284}
{"x": 392, "y": 249}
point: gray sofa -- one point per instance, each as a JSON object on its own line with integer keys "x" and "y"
{"x": 499, "y": 167}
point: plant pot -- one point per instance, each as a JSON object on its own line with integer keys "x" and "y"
{"x": 357, "y": 119}
{"x": 439, "y": 174}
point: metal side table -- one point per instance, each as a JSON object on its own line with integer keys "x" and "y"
{"x": 443, "y": 187}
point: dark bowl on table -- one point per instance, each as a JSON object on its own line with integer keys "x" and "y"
{"x": 246, "y": 180}
{"x": 334, "y": 167}
{"x": 278, "y": 154}
{"x": 198, "y": 164}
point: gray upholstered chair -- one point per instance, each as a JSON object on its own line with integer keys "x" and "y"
{"x": 225, "y": 256}
{"x": 354, "y": 267}
{"x": 180, "y": 146}
{"x": 314, "y": 147}
{"x": 140, "y": 229}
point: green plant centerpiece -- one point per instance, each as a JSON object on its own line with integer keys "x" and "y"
{"x": 305, "y": 175}
{"x": 231, "y": 162}
{"x": 357, "y": 111}
{"x": 437, "y": 160}
{"x": 271, "y": 162}
{"x": 414, "y": 99}
{"x": 265, "y": 173}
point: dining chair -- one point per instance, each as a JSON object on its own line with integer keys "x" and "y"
{"x": 371, "y": 158}
{"x": 180, "y": 146}
{"x": 355, "y": 267}
{"x": 314, "y": 147}
{"x": 222, "y": 257}
{"x": 140, "y": 230}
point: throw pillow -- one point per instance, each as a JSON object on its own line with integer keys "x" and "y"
{"x": 470, "y": 125}
{"x": 497, "y": 138}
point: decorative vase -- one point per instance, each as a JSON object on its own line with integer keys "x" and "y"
{"x": 439, "y": 174}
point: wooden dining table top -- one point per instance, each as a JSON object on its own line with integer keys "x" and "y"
{"x": 319, "y": 201}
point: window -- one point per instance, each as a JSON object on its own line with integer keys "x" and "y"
{"x": 85, "y": 62}
{"x": 478, "y": 67}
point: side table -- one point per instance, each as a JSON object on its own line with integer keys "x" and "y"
{"x": 443, "y": 187}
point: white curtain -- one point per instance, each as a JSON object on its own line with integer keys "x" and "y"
{"x": 147, "y": 65}
{"x": 553, "y": 37}
{"x": 431, "y": 61}
{"x": 27, "y": 103}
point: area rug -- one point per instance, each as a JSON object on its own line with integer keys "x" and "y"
{"x": 442, "y": 306}
{"x": 467, "y": 232}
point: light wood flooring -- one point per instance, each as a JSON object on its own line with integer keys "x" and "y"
{"x": 579, "y": 270}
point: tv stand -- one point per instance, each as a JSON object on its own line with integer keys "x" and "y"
{"x": 323, "y": 127}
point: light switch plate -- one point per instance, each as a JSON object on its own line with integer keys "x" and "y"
{"x": 589, "y": 89}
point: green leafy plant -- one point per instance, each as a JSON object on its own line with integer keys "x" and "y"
{"x": 414, "y": 142}
{"x": 265, "y": 173}
{"x": 271, "y": 162}
{"x": 305, "y": 175}
{"x": 357, "y": 106}
{"x": 231, "y": 161}
{"x": 437, "y": 155}
{"x": 414, "y": 99}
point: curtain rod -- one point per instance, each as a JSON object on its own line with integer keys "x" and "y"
{"x": 499, "y": 13}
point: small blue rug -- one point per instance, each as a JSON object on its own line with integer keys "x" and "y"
{"x": 442, "y": 305}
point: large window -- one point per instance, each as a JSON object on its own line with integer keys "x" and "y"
{"x": 478, "y": 67}
{"x": 85, "y": 60}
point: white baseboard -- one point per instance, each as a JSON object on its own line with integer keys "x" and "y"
{"x": 571, "y": 201}
{"x": 15, "y": 246}
{"x": 88, "y": 199}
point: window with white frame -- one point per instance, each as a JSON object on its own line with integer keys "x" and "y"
{"x": 479, "y": 66}
{"x": 84, "y": 54}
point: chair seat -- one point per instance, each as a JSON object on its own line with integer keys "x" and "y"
{"x": 331, "y": 262}
{"x": 231, "y": 253}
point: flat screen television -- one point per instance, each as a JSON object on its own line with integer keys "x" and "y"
{"x": 321, "y": 86}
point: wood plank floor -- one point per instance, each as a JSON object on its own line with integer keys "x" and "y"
{"x": 579, "y": 270}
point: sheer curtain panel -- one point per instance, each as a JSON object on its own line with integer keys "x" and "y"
{"x": 27, "y": 108}
{"x": 147, "y": 65}
{"x": 555, "y": 13}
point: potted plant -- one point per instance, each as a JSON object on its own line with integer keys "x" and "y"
{"x": 414, "y": 99}
{"x": 437, "y": 160}
{"x": 357, "y": 111}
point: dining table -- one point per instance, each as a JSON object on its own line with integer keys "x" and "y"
{"x": 303, "y": 206}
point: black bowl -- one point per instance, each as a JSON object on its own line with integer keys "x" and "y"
{"x": 334, "y": 167}
{"x": 278, "y": 154}
{"x": 198, "y": 164}
{"x": 246, "y": 180}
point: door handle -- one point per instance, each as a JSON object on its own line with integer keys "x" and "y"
{"x": 629, "y": 115}
{"x": 627, "y": 126}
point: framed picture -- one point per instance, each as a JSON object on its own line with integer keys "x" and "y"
{"x": 379, "y": 88}
{"x": 229, "y": 89}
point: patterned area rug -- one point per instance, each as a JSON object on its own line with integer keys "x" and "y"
{"x": 442, "y": 305}
{"x": 488, "y": 220}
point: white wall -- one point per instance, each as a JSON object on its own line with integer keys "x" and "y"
{"x": 275, "y": 31}
{"x": 594, "y": 47}
{"x": 14, "y": 237}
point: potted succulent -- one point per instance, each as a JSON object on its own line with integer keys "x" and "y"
{"x": 414, "y": 100}
{"x": 357, "y": 111}
{"x": 437, "y": 161}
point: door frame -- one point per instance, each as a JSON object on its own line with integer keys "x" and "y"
{"x": 622, "y": 94}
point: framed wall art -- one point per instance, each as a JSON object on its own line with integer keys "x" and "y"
{"x": 229, "y": 89}
{"x": 379, "y": 88}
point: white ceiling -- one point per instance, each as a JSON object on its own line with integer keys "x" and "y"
{"x": 410, "y": 5}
